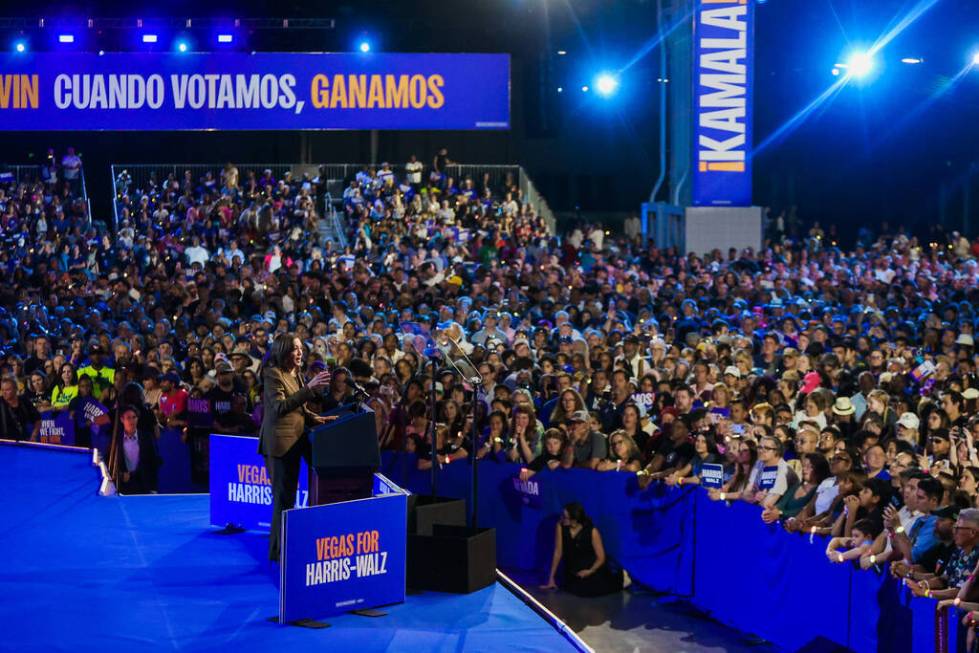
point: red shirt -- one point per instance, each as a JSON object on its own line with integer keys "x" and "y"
{"x": 174, "y": 403}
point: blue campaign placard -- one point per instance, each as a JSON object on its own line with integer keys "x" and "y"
{"x": 259, "y": 90}
{"x": 766, "y": 480}
{"x": 241, "y": 490}
{"x": 343, "y": 556}
{"x": 57, "y": 427}
{"x": 712, "y": 475}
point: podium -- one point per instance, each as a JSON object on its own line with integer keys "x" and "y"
{"x": 345, "y": 455}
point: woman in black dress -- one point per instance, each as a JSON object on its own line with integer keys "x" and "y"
{"x": 586, "y": 569}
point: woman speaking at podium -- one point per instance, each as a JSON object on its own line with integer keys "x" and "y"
{"x": 283, "y": 439}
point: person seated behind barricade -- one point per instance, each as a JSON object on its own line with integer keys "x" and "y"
{"x": 674, "y": 452}
{"x": 858, "y": 544}
{"x": 525, "y": 434}
{"x": 555, "y": 443}
{"x": 578, "y": 544}
{"x": 448, "y": 448}
{"x": 495, "y": 438}
{"x": 744, "y": 462}
{"x": 587, "y": 447}
{"x": 623, "y": 454}
{"x": 815, "y": 470}
{"x": 706, "y": 454}
{"x": 771, "y": 476}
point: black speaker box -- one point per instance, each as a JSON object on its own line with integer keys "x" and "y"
{"x": 424, "y": 511}
{"x": 455, "y": 559}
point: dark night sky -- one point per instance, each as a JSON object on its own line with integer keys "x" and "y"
{"x": 859, "y": 158}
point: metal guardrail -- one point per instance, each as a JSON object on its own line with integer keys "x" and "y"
{"x": 31, "y": 173}
{"x": 334, "y": 178}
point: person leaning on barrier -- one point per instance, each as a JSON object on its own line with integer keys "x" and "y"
{"x": 769, "y": 455}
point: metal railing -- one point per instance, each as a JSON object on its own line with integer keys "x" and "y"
{"x": 333, "y": 177}
{"x": 31, "y": 173}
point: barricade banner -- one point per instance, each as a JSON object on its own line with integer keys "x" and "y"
{"x": 262, "y": 90}
{"x": 343, "y": 556}
{"x": 240, "y": 487}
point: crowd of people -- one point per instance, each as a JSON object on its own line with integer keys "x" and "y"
{"x": 835, "y": 388}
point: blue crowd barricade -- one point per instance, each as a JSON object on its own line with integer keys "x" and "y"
{"x": 174, "y": 474}
{"x": 718, "y": 555}
{"x": 761, "y": 580}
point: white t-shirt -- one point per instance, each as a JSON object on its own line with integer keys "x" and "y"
{"x": 414, "y": 170}
{"x": 197, "y": 255}
{"x": 826, "y": 492}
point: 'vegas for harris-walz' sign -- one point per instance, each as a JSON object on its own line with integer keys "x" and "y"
{"x": 722, "y": 82}
{"x": 265, "y": 90}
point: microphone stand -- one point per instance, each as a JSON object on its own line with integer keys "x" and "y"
{"x": 434, "y": 432}
{"x": 466, "y": 370}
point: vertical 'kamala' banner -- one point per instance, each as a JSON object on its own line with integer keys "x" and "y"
{"x": 265, "y": 90}
{"x": 722, "y": 83}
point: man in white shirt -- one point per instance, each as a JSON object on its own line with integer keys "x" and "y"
{"x": 72, "y": 166}
{"x": 414, "y": 171}
{"x": 196, "y": 253}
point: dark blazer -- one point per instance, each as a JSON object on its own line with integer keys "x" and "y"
{"x": 285, "y": 417}
{"x": 143, "y": 479}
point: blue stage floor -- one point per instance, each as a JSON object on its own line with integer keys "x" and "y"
{"x": 87, "y": 573}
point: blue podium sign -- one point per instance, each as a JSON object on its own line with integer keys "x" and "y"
{"x": 241, "y": 489}
{"x": 344, "y": 556}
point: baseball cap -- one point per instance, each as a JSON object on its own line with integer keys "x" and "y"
{"x": 946, "y": 512}
{"x": 223, "y": 366}
{"x": 733, "y": 371}
{"x": 579, "y": 416}
{"x": 909, "y": 421}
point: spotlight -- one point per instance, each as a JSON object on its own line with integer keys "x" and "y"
{"x": 225, "y": 38}
{"x": 860, "y": 64}
{"x": 150, "y": 38}
{"x": 975, "y": 59}
{"x": 560, "y": 89}
{"x": 836, "y": 71}
{"x": 66, "y": 38}
{"x": 912, "y": 60}
{"x": 606, "y": 84}
{"x": 181, "y": 46}
{"x": 20, "y": 47}
{"x": 364, "y": 46}
{"x": 584, "y": 89}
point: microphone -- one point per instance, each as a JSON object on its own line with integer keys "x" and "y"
{"x": 358, "y": 389}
